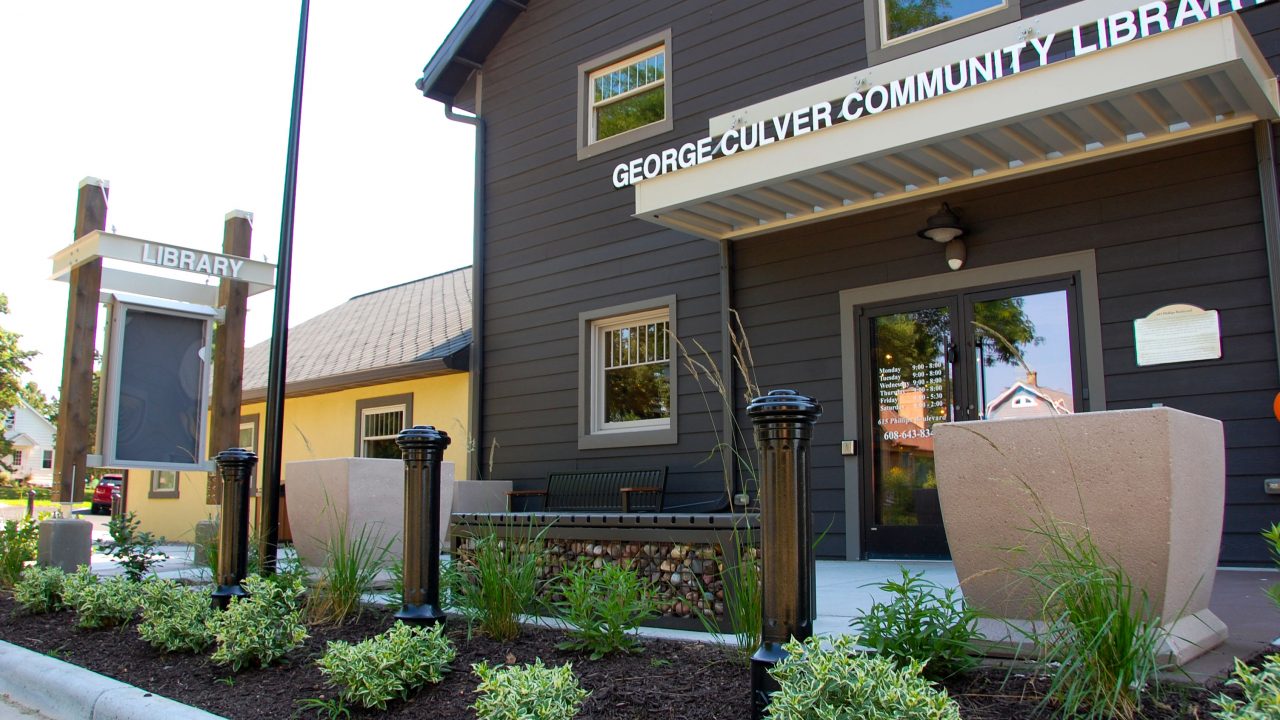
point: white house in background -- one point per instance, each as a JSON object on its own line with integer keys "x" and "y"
{"x": 32, "y": 438}
{"x": 1026, "y": 398}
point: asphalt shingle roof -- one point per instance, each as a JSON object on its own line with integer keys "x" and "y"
{"x": 420, "y": 320}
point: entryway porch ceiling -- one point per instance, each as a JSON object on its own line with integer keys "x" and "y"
{"x": 1200, "y": 80}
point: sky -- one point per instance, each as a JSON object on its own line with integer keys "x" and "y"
{"x": 183, "y": 108}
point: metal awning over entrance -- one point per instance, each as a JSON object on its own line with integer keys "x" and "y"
{"x": 1199, "y": 80}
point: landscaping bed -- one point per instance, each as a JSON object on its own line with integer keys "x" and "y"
{"x": 669, "y": 680}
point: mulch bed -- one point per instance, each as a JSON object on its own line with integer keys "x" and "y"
{"x": 669, "y": 680}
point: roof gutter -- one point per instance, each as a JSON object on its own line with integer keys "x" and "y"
{"x": 475, "y": 415}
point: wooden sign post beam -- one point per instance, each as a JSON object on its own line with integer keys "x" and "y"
{"x": 228, "y": 345}
{"x": 75, "y": 405}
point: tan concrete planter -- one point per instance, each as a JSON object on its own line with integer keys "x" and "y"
{"x": 363, "y": 492}
{"x": 1149, "y": 484}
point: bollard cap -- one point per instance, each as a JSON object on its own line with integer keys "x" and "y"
{"x": 424, "y": 437}
{"x": 233, "y": 457}
{"x": 784, "y": 405}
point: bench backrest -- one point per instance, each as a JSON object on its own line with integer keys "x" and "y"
{"x": 602, "y": 490}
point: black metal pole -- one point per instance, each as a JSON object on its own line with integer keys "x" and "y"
{"x": 783, "y": 423}
{"x": 422, "y": 448}
{"x": 269, "y": 503}
{"x": 235, "y": 465}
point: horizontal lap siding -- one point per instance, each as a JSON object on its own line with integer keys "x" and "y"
{"x": 560, "y": 240}
{"x": 1176, "y": 225}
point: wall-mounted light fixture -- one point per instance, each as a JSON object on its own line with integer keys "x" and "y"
{"x": 944, "y": 227}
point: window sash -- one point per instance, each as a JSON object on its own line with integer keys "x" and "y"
{"x": 655, "y": 76}
{"x": 887, "y": 41}
{"x": 378, "y": 425}
{"x": 609, "y": 353}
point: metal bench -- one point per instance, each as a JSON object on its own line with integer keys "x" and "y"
{"x": 600, "y": 491}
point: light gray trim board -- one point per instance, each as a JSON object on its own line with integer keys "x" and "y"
{"x": 586, "y": 148}
{"x": 656, "y": 436}
{"x": 1084, "y": 263}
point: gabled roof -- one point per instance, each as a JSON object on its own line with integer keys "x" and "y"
{"x": 465, "y": 48}
{"x": 1057, "y": 400}
{"x": 416, "y": 329}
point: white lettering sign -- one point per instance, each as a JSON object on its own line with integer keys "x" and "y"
{"x": 191, "y": 260}
{"x": 1116, "y": 29}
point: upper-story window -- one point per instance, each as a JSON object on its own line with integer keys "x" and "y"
{"x": 378, "y": 421}
{"x": 625, "y": 96}
{"x": 902, "y": 27}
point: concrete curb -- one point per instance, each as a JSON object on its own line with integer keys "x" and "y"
{"x": 62, "y": 691}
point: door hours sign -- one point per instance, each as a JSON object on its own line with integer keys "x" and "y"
{"x": 1177, "y": 333}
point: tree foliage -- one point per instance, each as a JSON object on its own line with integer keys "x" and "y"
{"x": 908, "y": 16}
{"x": 13, "y": 364}
{"x": 917, "y": 337}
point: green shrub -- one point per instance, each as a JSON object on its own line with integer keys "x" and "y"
{"x": 18, "y": 545}
{"x": 498, "y": 581}
{"x": 389, "y": 666}
{"x": 528, "y": 692}
{"x": 262, "y": 628}
{"x": 1099, "y": 648}
{"x": 1272, "y": 536}
{"x": 350, "y": 566}
{"x": 175, "y": 619}
{"x": 604, "y": 605}
{"x": 100, "y": 603}
{"x": 835, "y": 683}
{"x": 40, "y": 589}
{"x": 1261, "y": 692}
{"x": 134, "y": 549}
{"x": 924, "y": 622}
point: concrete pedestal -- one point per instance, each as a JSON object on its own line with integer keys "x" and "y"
{"x": 1149, "y": 485}
{"x": 362, "y": 492}
{"x": 65, "y": 544}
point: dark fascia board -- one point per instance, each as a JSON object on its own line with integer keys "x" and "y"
{"x": 362, "y": 378}
{"x": 467, "y": 45}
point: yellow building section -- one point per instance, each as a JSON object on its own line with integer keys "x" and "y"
{"x": 315, "y": 427}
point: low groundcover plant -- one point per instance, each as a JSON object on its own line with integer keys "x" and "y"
{"x": 175, "y": 619}
{"x": 388, "y": 666}
{"x": 100, "y": 603}
{"x": 527, "y": 692}
{"x": 838, "y": 682}
{"x": 1261, "y": 692}
{"x": 40, "y": 589}
{"x": 262, "y": 628}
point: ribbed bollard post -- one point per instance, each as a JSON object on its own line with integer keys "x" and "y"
{"x": 422, "y": 447}
{"x": 783, "y": 423}
{"x": 236, "y": 468}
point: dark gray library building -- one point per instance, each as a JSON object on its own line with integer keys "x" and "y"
{"x": 915, "y": 211}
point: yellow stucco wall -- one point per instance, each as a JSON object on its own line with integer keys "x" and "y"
{"x": 315, "y": 427}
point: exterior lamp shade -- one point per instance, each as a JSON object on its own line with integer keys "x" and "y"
{"x": 955, "y": 253}
{"x": 943, "y": 226}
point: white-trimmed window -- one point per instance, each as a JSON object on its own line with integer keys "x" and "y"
{"x": 46, "y": 461}
{"x": 378, "y": 422}
{"x": 625, "y": 96}
{"x": 628, "y": 373}
{"x": 248, "y": 440}
{"x": 164, "y": 484}
{"x": 900, "y": 27}
{"x": 17, "y": 458}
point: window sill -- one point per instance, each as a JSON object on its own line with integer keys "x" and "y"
{"x": 629, "y": 438}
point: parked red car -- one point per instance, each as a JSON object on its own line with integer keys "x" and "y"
{"x": 101, "y": 503}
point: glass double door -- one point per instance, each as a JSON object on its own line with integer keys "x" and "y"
{"x": 981, "y": 354}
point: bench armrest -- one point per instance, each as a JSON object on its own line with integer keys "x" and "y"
{"x": 626, "y": 494}
{"x": 523, "y": 493}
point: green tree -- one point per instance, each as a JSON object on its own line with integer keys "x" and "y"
{"x": 908, "y": 16}
{"x": 13, "y": 364}
{"x": 41, "y": 403}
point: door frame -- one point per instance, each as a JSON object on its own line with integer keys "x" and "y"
{"x": 1083, "y": 264}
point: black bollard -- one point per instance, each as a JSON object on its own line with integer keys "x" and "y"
{"x": 236, "y": 468}
{"x": 783, "y": 423}
{"x": 422, "y": 448}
